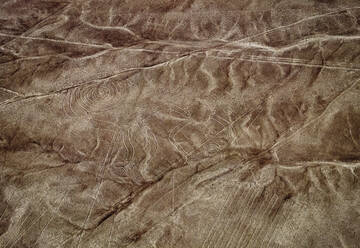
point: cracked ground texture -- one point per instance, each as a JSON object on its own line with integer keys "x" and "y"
{"x": 180, "y": 124}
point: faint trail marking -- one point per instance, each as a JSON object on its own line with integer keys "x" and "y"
{"x": 111, "y": 232}
{"x": 245, "y": 218}
{"x": 246, "y": 202}
{"x": 249, "y": 220}
{"x": 66, "y": 240}
{"x": 279, "y": 218}
{"x": 217, "y": 220}
{"x": 55, "y": 40}
{"x": 230, "y": 219}
{"x": 22, "y": 223}
{"x": 99, "y": 186}
{"x": 251, "y": 59}
{"x": 22, "y": 233}
{"x": 7, "y": 205}
{"x": 232, "y": 215}
{"x": 33, "y": 28}
{"x": 263, "y": 227}
{"x": 53, "y": 216}
{"x": 26, "y": 230}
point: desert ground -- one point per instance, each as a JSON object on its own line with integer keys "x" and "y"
{"x": 180, "y": 124}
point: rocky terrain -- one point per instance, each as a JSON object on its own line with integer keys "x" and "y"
{"x": 180, "y": 124}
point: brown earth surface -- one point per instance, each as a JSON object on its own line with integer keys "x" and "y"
{"x": 180, "y": 124}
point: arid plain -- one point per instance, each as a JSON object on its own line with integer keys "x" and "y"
{"x": 180, "y": 124}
